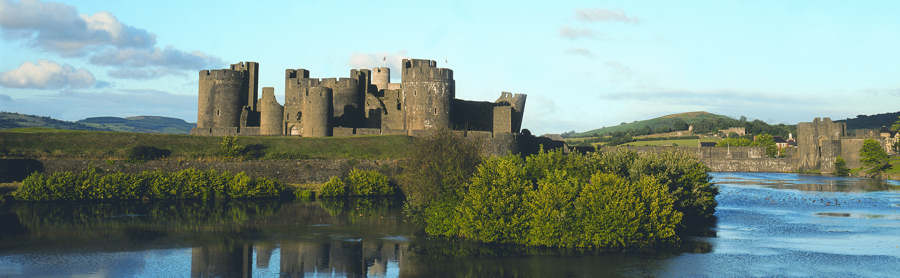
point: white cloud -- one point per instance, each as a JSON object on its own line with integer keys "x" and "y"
{"x": 58, "y": 28}
{"x": 168, "y": 57}
{"x": 576, "y": 33}
{"x": 604, "y": 15}
{"x": 378, "y": 59}
{"x": 46, "y": 75}
{"x": 584, "y": 52}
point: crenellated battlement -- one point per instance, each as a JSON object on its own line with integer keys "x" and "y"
{"x": 222, "y": 74}
{"x": 342, "y": 82}
{"x": 419, "y": 63}
{"x": 245, "y": 66}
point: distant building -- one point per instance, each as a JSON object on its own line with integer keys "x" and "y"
{"x": 740, "y": 131}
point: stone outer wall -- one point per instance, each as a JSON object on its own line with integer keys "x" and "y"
{"x": 287, "y": 171}
{"x": 850, "y": 151}
{"x": 734, "y": 159}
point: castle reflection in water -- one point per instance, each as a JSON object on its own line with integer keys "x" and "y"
{"x": 352, "y": 258}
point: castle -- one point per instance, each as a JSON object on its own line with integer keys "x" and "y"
{"x": 366, "y": 103}
{"x": 821, "y": 141}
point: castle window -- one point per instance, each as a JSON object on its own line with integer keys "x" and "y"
{"x": 299, "y": 114}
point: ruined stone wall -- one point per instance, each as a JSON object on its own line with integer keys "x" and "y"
{"x": 502, "y": 119}
{"x": 271, "y": 113}
{"x": 489, "y": 144}
{"x": 427, "y": 91}
{"x": 393, "y": 116}
{"x": 819, "y": 144}
{"x": 472, "y": 115}
{"x": 735, "y": 159}
{"x": 517, "y": 101}
{"x": 293, "y": 100}
{"x": 316, "y": 112}
{"x": 251, "y": 83}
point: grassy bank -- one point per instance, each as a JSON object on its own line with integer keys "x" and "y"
{"x": 54, "y": 143}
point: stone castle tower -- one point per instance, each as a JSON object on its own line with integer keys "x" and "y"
{"x": 366, "y": 103}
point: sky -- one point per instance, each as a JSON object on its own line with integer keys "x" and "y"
{"x": 583, "y": 64}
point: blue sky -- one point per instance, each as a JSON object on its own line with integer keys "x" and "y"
{"x": 583, "y": 64}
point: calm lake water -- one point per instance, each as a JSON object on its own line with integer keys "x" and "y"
{"x": 768, "y": 225}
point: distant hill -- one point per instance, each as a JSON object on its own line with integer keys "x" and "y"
{"x": 16, "y": 120}
{"x": 703, "y": 122}
{"x": 871, "y": 122}
{"x": 144, "y": 124}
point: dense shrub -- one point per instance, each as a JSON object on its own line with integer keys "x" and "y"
{"x": 840, "y": 167}
{"x": 146, "y": 153}
{"x": 368, "y": 183}
{"x": 617, "y": 200}
{"x": 439, "y": 165}
{"x": 361, "y": 183}
{"x": 333, "y": 188}
{"x": 184, "y": 184}
{"x": 304, "y": 194}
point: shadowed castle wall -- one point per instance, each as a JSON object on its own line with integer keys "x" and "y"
{"x": 427, "y": 91}
{"x": 251, "y": 83}
{"x": 472, "y": 115}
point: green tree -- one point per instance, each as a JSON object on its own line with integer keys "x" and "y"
{"x": 840, "y": 167}
{"x": 874, "y": 158}
{"x": 767, "y": 141}
{"x": 896, "y": 126}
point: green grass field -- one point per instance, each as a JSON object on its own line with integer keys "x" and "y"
{"x": 55, "y": 143}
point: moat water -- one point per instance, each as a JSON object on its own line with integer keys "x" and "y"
{"x": 768, "y": 225}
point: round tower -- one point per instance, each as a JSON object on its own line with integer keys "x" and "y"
{"x": 316, "y": 112}
{"x": 270, "y": 114}
{"x": 381, "y": 77}
{"x": 427, "y": 93}
{"x": 205, "y": 109}
{"x": 219, "y": 98}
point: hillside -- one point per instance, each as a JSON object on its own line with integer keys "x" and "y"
{"x": 703, "y": 122}
{"x": 16, "y": 120}
{"x": 143, "y": 124}
{"x": 871, "y": 122}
